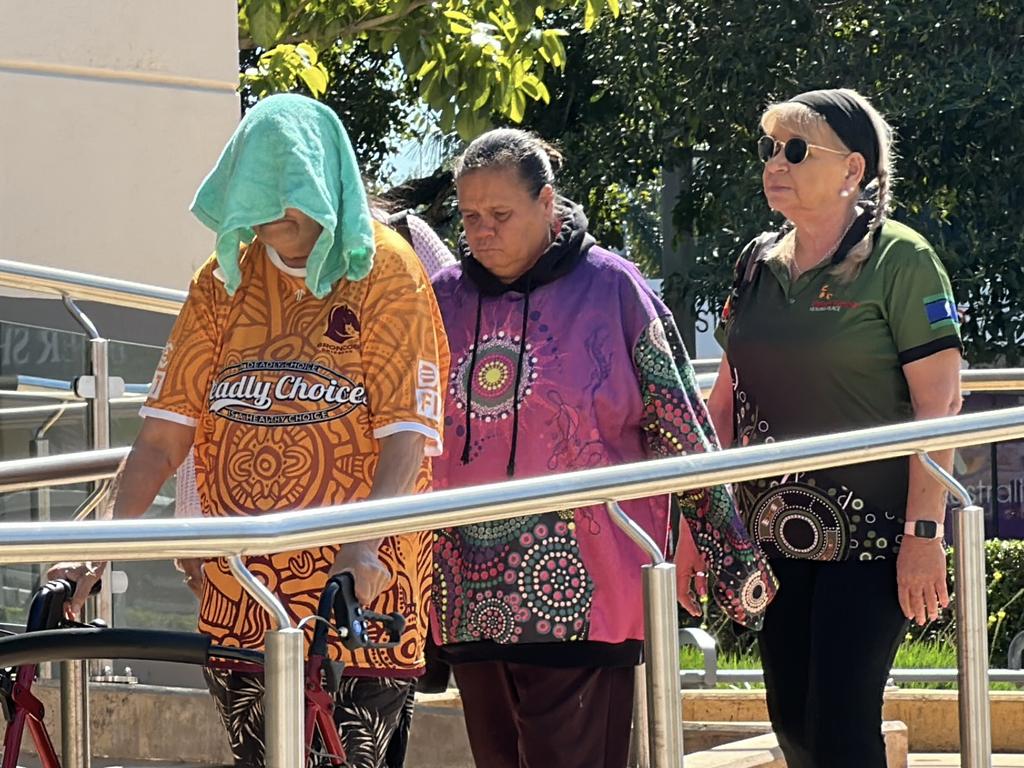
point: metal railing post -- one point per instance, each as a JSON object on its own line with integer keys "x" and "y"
{"x": 283, "y": 703}
{"x": 971, "y": 622}
{"x": 661, "y": 651}
{"x": 75, "y": 749}
{"x": 639, "y": 737}
{"x": 99, "y": 357}
{"x": 39, "y": 511}
{"x": 705, "y": 643}
{"x": 661, "y": 647}
{"x": 99, "y": 433}
{"x": 972, "y": 637}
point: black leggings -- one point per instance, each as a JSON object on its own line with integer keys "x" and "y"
{"x": 828, "y": 643}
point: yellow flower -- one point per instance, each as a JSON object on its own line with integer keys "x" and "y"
{"x": 1001, "y": 615}
{"x": 991, "y": 619}
{"x": 997, "y": 576}
{"x": 908, "y": 637}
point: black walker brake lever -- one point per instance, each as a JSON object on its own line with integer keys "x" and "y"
{"x": 353, "y": 617}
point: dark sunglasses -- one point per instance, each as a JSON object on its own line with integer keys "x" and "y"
{"x": 795, "y": 150}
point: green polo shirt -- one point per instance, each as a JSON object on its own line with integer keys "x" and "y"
{"x": 817, "y": 356}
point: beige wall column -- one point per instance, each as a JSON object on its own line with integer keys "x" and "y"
{"x": 111, "y": 111}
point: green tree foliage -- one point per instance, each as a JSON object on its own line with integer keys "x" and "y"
{"x": 367, "y": 90}
{"x": 683, "y": 85}
{"x": 468, "y": 59}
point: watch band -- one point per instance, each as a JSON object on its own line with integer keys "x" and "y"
{"x": 924, "y": 529}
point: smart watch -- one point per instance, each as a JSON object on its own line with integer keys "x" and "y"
{"x": 923, "y": 529}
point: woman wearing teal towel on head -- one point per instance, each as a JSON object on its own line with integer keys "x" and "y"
{"x": 304, "y": 370}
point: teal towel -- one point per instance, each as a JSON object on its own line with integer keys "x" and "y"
{"x": 290, "y": 151}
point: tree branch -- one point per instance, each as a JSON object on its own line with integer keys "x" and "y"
{"x": 428, "y": 194}
{"x": 343, "y": 32}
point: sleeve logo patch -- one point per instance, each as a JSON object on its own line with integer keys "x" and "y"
{"x": 940, "y": 311}
{"x": 428, "y": 391}
{"x": 157, "y": 385}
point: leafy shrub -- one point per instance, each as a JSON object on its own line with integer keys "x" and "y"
{"x": 1004, "y": 569}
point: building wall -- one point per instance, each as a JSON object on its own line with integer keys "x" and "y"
{"x": 111, "y": 112}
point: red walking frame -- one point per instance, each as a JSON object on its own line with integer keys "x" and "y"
{"x": 49, "y": 636}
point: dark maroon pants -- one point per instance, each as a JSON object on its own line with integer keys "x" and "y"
{"x": 526, "y": 716}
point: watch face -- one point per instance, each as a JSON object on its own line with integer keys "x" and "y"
{"x": 926, "y": 529}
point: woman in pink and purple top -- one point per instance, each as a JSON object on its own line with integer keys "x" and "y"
{"x": 562, "y": 360}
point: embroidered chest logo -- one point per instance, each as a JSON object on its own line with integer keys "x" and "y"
{"x": 826, "y": 302}
{"x": 277, "y": 394}
{"x": 342, "y": 325}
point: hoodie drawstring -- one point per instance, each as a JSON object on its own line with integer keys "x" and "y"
{"x": 472, "y": 376}
{"x": 511, "y": 466}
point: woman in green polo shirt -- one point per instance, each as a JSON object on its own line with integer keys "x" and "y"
{"x": 841, "y": 320}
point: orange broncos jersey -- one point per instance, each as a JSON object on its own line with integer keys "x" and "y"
{"x": 289, "y": 395}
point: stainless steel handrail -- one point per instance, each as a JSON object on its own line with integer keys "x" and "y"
{"x": 701, "y": 678}
{"x": 210, "y": 537}
{"x": 60, "y": 469}
{"x": 283, "y": 531}
{"x": 79, "y": 285}
{"x": 64, "y": 406}
{"x": 971, "y": 380}
{"x": 37, "y": 386}
{"x": 705, "y": 364}
{"x": 43, "y": 386}
{"x": 992, "y": 379}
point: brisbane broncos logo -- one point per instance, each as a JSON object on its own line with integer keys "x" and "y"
{"x": 343, "y": 325}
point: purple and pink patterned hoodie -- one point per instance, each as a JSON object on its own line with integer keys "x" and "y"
{"x": 576, "y": 365}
